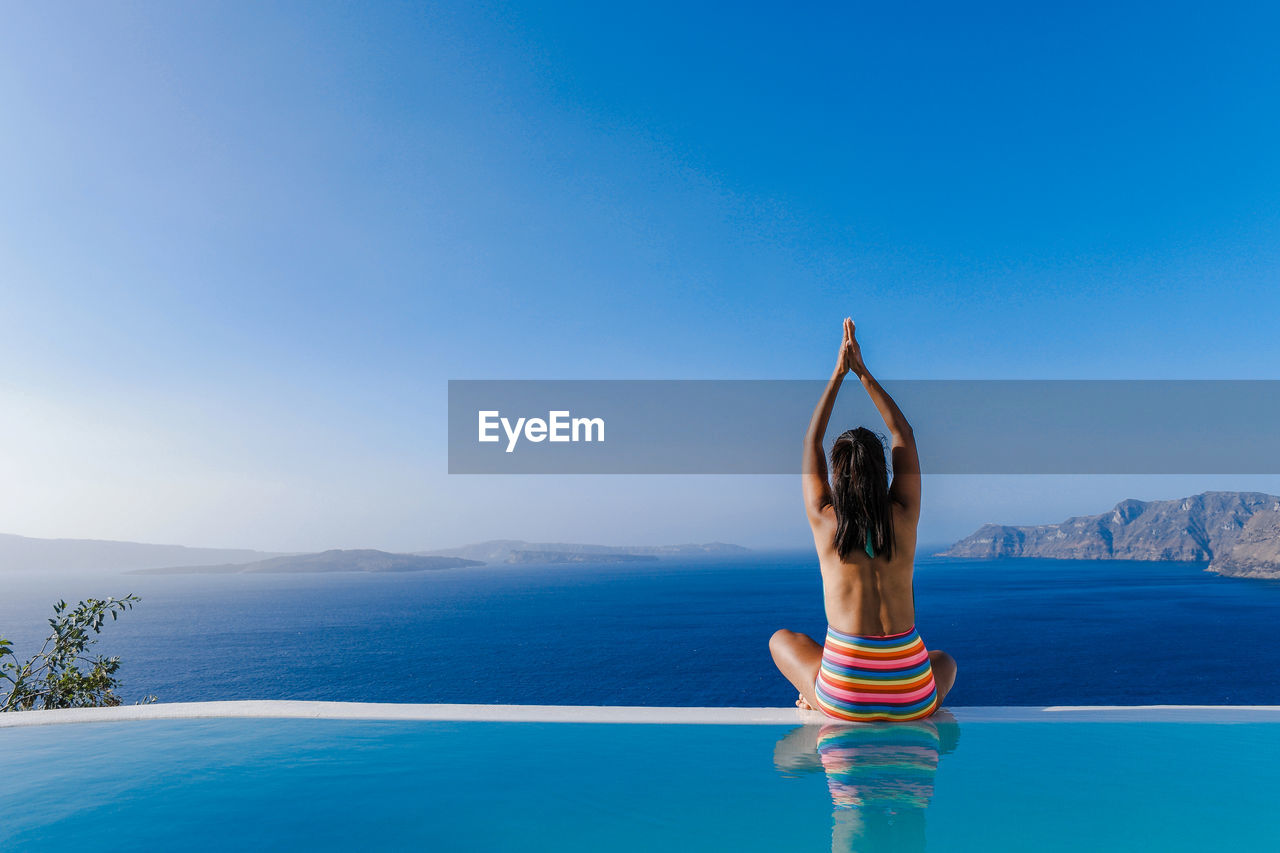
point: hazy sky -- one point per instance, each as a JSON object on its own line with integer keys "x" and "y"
{"x": 244, "y": 246}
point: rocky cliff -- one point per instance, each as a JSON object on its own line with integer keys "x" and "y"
{"x": 1256, "y": 552}
{"x": 1238, "y": 532}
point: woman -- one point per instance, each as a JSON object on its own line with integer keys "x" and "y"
{"x": 873, "y": 666}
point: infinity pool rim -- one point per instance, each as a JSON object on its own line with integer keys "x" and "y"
{"x": 303, "y": 709}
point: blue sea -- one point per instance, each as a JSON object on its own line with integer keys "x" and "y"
{"x": 1024, "y": 632}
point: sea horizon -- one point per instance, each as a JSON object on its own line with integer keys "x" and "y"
{"x": 1024, "y": 631}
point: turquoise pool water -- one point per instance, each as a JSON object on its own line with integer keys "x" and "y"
{"x": 276, "y": 784}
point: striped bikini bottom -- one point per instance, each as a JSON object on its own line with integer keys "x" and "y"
{"x": 868, "y": 679}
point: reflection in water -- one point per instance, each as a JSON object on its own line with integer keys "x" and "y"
{"x": 880, "y": 776}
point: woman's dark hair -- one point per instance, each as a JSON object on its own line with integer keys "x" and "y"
{"x": 860, "y": 494}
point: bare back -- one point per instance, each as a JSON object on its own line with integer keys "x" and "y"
{"x": 868, "y": 595}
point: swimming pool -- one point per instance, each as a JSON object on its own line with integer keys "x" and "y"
{"x": 740, "y": 779}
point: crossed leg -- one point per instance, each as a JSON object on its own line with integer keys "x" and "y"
{"x": 944, "y": 673}
{"x": 799, "y": 658}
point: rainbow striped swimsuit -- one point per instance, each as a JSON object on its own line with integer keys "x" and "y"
{"x": 869, "y": 679}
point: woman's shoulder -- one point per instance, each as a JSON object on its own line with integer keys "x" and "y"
{"x": 824, "y": 520}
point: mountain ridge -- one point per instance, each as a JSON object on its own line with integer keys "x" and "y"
{"x": 1238, "y": 533}
{"x": 501, "y": 550}
{"x": 28, "y": 553}
{"x": 333, "y": 560}
{"x": 31, "y": 554}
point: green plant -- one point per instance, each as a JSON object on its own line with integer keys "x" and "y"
{"x": 63, "y": 674}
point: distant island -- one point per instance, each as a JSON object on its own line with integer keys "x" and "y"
{"x": 483, "y": 553}
{"x": 363, "y": 560}
{"x": 577, "y": 557}
{"x": 27, "y": 554}
{"x": 506, "y": 551}
{"x": 1238, "y": 533}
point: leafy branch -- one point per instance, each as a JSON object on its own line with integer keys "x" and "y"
{"x": 63, "y": 674}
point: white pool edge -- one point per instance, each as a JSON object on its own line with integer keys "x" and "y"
{"x": 293, "y": 709}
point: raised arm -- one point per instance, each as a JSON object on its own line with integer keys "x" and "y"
{"x": 905, "y": 489}
{"x": 813, "y": 468}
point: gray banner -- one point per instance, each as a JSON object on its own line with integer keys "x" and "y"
{"x": 961, "y": 426}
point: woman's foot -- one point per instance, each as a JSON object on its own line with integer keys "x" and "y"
{"x": 803, "y": 703}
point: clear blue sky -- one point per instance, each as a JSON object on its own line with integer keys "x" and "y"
{"x": 243, "y": 246}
